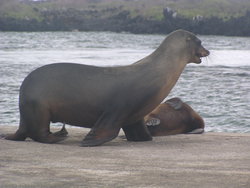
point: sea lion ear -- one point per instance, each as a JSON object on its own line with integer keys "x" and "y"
{"x": 153, "y": 122}
{"x": 175, "y": 103}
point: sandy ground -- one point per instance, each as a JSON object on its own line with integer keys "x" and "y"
{"x": 211, "y": 160}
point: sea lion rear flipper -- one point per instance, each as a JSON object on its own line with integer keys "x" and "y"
{"x": 19, "y": 135}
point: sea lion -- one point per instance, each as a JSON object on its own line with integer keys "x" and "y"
{"x": 104, "y": 99}
{"x": 174, "y": 117}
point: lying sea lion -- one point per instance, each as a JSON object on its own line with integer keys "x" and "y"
{"x": 170, "y": 118}
{"x": 174, "y": 117}
{"x": 104, "y": 99}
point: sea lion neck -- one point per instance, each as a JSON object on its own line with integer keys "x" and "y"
{"x": 167, "y": 61}
{"x": 172, "y": 53}
{"x": 165, "y": 65}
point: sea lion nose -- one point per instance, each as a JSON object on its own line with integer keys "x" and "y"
{"x": 204, "y": 52}
{"x": 207, "y": 52}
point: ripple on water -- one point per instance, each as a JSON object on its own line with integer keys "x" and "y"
{"x": 218, "y": 89}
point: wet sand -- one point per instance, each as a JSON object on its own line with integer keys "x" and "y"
{"x": 181, "y": 161}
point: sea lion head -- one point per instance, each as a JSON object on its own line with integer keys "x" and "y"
{"x": 190, "y": 118}
{"x": 189, "y": 45}
{"x": 174, "y": 117}
{"x": 196, "y": 48}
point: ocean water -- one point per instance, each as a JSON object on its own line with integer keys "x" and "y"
{"x": 218, "y": 89}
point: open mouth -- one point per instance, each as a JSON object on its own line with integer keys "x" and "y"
{"x": 199, "y": 55}
{"x": 204, "y": 53}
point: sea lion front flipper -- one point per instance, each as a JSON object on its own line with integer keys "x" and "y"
{"x": 137, "y": 132}
{"x": 196, "y": 131}
{"x": 153, "y": 122}
{"x": 97, "y": 137}
{"x": 62, "y": 133}
{"x": 105, "y": 129}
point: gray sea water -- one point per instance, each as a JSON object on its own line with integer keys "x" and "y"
{"x": 218, "y": 89}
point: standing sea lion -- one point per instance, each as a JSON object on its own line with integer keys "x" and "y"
{"x": 174, "y": 117}
{"x": 104, "y": 99}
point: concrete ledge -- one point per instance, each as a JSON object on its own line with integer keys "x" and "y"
{"x": 181, "y": 161}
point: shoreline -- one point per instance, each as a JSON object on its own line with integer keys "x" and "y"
{"x": 134, "y": 17}
{"x": 85, "y": 130}
{"x": 186, "y": 160}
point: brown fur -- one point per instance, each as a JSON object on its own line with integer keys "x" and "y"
{"x": 173, "y": 117}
